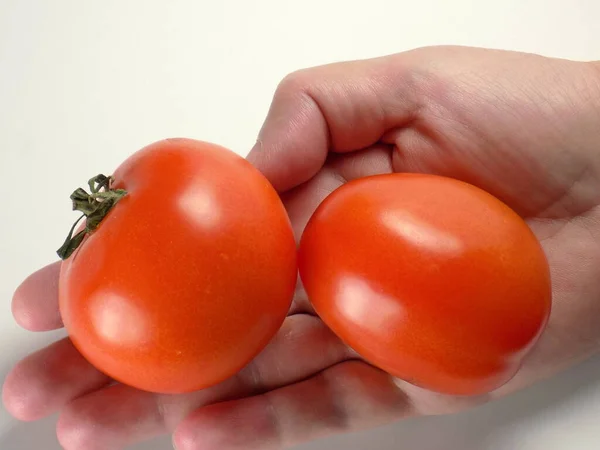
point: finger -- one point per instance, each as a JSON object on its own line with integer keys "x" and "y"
{"x": 35, "y": 302}
{"x": 373, "y": 160}
{"x": 415, "y": 150}
{"x": 348, "y": 396}
{"x": 302, "y": 201}
{"x": 342, "y": 107}
{"x": 117, "y": 416}
{"x": 47, "y": 380}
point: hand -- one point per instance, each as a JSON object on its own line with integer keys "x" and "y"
{"x": 522, "y": 127}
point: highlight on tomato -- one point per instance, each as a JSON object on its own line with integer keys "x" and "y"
{"x": 183, "y": 269}
{"x": 428, "y": 278}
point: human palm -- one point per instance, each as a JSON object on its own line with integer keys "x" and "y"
{"x": 522, "y": 127}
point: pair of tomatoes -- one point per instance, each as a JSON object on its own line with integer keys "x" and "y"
{"x": 190, "y": 267}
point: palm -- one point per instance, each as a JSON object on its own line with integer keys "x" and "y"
{"x": 516, "y": 125}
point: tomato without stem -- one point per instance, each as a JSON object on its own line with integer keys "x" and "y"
{"x": 428, "y": 278}
{"x": 187, "y": 277}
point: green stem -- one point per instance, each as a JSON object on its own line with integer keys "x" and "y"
{"x": 94, "y": 206}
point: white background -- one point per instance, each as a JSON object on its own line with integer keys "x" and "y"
{"x": 85, "y": 83}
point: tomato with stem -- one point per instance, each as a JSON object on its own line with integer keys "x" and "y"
{"x": 184, "y": 269}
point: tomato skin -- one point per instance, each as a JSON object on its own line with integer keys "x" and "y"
{"x": 188, "y": 277}
{"x": 428, "y": 278}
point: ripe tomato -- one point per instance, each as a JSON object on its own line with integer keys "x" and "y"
{"x": 428, "y": 278}
{"x": 187, "y": 277}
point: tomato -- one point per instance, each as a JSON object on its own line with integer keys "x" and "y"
{"x": 187, "y": 277}
{"x": 428, "y": 278}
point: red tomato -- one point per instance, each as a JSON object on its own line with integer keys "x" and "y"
{"x": 428, "y": 278}
{"x": 187, "y": 277}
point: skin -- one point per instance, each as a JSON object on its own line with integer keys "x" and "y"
{"x": 194, "y": 307}
{"x": 428, "y": 278}
{"x": 523, "y": 127}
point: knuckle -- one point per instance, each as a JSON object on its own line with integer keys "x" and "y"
{"x": 295, "y": 83}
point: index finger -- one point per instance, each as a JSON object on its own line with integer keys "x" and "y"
{"x": 338, "y": 107}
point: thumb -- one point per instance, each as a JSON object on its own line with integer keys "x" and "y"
{"x": 340, "y": 107}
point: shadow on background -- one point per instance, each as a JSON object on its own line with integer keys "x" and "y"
{"x": 41, "y": 436}
{"x": 31, "y": 436}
